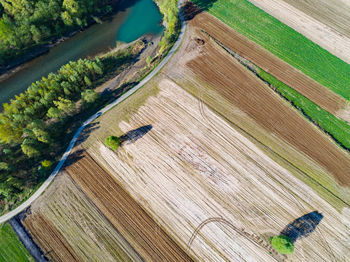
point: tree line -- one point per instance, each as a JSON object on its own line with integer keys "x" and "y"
{"x": 170, "y": 13}
{"x": 33, "y": 125}
{"x": 26, "y": 23}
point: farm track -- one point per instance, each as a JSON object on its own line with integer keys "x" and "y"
{"x": 128, "y": 217}
{"x": 317, "y": 93}
{"x": 251, "y": 237}
{"x": 243, "y": 89}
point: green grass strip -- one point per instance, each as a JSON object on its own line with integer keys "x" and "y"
{"x": 283, "y": 41}
{"x": 335, "y": 127}
{"x": 11, "y": 248}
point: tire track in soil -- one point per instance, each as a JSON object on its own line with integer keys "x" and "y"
{"x": 128, "y": 217}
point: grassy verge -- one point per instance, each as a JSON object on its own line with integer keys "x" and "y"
{"x": 11, "y": 248}
{"x": 338, "y": 129}
{"x": 282, "y": 41}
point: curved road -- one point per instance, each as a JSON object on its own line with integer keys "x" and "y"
{"x": 47, "y": 182}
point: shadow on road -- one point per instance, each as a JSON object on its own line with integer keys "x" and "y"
{"x": 190, "y": 10}
{"x": 134, "y": 135}
{"x": 74, "y": 157}
{"x": 86, "y": 132}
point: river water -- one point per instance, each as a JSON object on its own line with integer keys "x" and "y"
{"x": 142, "y": 17}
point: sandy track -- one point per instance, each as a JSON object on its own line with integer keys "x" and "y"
{"x": 318, "y": 31}
{"x": 138, "y": 228}
{"x": 260, "y": 103}
{"x": 317, "y": 93}
{"x": 68, "y": 227}
{"x": 190, "y": 169}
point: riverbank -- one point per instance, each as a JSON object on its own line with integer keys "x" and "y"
{"x": 110, "y": 86}
{"x": 39, "y": 50}
{"x": 93, "y": 41}
{"x": 72, "y": 123}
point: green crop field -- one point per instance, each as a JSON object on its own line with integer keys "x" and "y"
{"x": 335, "y": 127}
{"x": 282, "y": 41}
{"x": 11, "y": 248}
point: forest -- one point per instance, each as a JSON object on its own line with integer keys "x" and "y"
{"x": 37, "y": 124}
{"x": 26, "y": 24}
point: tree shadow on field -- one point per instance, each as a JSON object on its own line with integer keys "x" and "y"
{"x": 86, "y": 132}
{"x": 74, "y": 157}
{"x": 195, "y": 7}
{"x": 302, "y": 226}
{"x": 134, "y": 135}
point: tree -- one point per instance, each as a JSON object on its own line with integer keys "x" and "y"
{"x": 54, "y": 112}
{"x": 9, "y": 133}
{"x": 89, "y": 96}
{"x": 149, "y": 60}
{"x": 112, "y": 142}
{"x": 65, "y": 105}
{"x": 41, "y": 135}
{"x": 5, "y": 30}
{"x": 282, "y": 244}
{"x": 29, "y": 148}
{"x": 4, "y": 166}
{"x": 46, "y": 164}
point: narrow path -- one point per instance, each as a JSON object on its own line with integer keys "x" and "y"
{"x": 48, "y": 181}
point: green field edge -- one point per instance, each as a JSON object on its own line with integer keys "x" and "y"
{"x": 316, "y": 182}
{"x": 283, "y": 41}
{"x": 11, "y": 248}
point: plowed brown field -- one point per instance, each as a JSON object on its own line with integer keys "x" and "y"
{"x": 138, "y": 228}
{"x": 68, "y": 227}
{"x": 317, "y": 93}
{"x": 250, "y": 94}
{"x": 49, "y": 239}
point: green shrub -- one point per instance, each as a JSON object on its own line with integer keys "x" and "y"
{"x": 112, "y": 142}
{"x": 282, "y": 244}
{"x": 46, "y": 163}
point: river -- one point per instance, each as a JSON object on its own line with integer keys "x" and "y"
{"x": 127, "y": 25}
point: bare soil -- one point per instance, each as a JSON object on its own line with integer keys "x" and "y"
{"x": 250, "y": 94}
{"x": 216, "y": 193}
{"x": 68, "y": 227}
{"x": 311, "y": 89}
{"x": 128, "y": 217}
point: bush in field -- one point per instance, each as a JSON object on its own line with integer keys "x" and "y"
{"x": 282, "y": 244}
{"x": 112, "y": 142}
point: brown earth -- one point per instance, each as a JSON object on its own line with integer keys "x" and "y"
{"x": 217, "y": 194}
{"x": 251, "y": 95}
{"x": 314, "y": 91}
{"x": 68, "y": 227}
{"x": 137, "y": 227}
{"x": 49, "y": 239}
